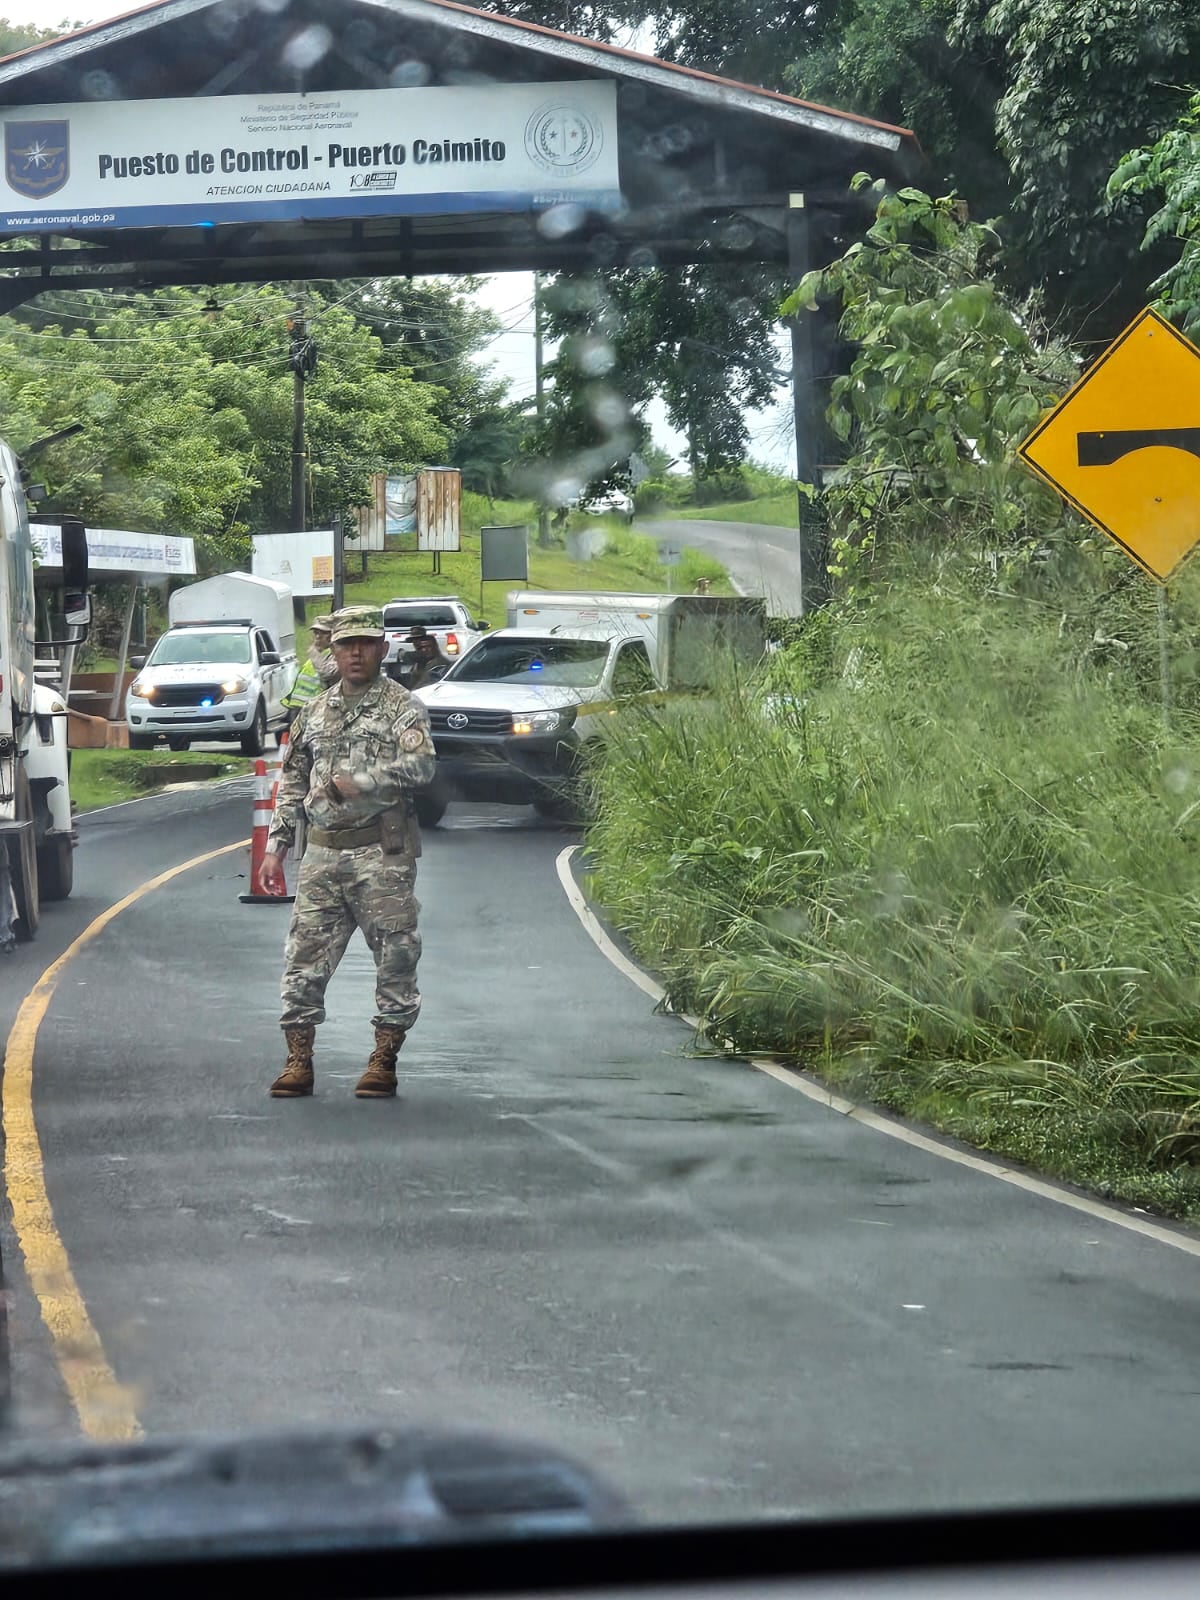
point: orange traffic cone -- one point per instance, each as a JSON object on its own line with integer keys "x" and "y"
{"x": 264, "y": 807}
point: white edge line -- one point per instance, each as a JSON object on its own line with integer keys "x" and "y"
{"x": 822, "y": 1095}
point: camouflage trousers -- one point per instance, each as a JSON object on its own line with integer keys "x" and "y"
{"x": 338, "y": 891}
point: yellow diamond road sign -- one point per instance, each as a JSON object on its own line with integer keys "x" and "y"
{"x": 1123, "y": 445}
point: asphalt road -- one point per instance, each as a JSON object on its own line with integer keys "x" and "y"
{"x": 729, "y": 1300}
{"x": 761, "y": 560}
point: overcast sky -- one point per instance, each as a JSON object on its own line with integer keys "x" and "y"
{"x": 510, "y": 294}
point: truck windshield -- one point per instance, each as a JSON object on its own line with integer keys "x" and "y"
{"x": 426, "y": 616}
{"x": 190, "y": 645}
{"x": 559, "y": 663}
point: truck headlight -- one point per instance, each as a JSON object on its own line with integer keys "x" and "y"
{"x": 542, "y": 721}
{"x": 141, "y": 691}
{"x": 233, "y": 685}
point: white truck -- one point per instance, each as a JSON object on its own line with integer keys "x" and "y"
{"x": 42, "y": 619}
{"x": 446, "y": 617}
{"x": 515, "y": 719}
{"x": 221, "y": 670}
{"x": 686, "y": 634}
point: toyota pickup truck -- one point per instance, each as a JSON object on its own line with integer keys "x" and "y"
{"x": 515, "y": 720}
{"x": 511, "y": 721}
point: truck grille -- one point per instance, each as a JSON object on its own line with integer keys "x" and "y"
{"x": 188, "y": 694}
{"x": 477, "y": 721}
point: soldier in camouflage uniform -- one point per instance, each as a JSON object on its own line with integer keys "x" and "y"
{"x": 356, "y": 754}
{"x": 318, "y": 670}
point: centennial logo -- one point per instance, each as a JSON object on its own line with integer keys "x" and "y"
{"x": 37, "y": 157}
{"x": 563, "y": 139}
{"x": 373, "y": 182}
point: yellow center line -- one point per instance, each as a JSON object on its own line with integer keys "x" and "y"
{"x": 105, "y": 1406}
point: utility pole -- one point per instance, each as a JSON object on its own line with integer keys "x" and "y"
{"x": 298, "y": 334}
{"x": 302, "y": 357}
{"x": 539, "y": 390}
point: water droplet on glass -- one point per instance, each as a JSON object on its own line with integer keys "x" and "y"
{"x": 596, "y": 357}
{"x": 410, "y": 74}
{"x": 99, "y": 85}
{"x": 560, "y": 221}
{"x": 307, "y": 47}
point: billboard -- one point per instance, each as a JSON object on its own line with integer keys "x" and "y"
{"x": 439, "y": 506}
{"x": 351, "y": 153}
{"x": 145, "y": 556}
{"x": 304, "y": 561}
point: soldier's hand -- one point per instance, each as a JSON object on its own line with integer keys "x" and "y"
{"x": 271, "y": 876}
{"x": 347, "y": 788}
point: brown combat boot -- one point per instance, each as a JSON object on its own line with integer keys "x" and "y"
{"x": 296, "y": 1079}
{"x": 378, "y": 1082}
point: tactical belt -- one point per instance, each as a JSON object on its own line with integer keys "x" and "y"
{"x": 346, "y": 838}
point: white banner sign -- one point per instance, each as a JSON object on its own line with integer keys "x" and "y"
{"x": 362, "y": 152}
{"x": 128, "y": 555}
{"x": 304, "y": 561}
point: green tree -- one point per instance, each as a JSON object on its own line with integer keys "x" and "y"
{"x": 1084, "y": 80}
{"x": 16, "y": 36}
{"x": 698, "y": 336}
{"x": 487, "y": 450}
{"x": 1168, "y": 172}
{"x": 434, "y": 329}
{"x": 186, "y": 399}
{"x": 948, "y": 377}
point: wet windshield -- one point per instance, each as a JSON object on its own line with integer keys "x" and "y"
{"x": 764, "y": 1069}
{"x": 194, "y": 645}
{"x": 542, "y": 663}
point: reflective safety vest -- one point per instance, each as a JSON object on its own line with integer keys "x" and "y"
{"x": 308, "y": 686}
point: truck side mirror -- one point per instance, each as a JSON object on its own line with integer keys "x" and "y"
{"x": 137, "y": 662}
{"x": 77, "y": 610}
{"x": 74, "y": 555}
{"x": 483, "y": 626}
{"x": 269, "y": 658}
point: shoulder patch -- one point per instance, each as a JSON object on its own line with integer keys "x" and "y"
{"x": 412, "y": 738}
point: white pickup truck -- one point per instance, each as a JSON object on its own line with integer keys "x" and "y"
{"x": 221, "y": 670}
{"x": 444, "y": 617}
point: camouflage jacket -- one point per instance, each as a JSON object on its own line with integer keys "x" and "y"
{"x": 382, "y": 744}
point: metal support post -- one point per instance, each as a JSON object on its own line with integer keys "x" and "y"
{"x": 809, "y": 399}
{"x": 539, "y": 390}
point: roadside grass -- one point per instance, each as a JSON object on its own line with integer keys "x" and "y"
{"x": 775, "y": 510}
{"x": 106, "y": 777}
{"x": 953, "y": 867}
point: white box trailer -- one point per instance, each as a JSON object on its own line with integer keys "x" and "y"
{"x": 686, "y": 634}
{"x": 238, "y": 597}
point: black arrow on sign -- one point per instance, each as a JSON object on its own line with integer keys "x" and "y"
{"x": 1102, "y": 449}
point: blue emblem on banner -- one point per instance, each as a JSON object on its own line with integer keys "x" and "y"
{"x": 37, "y": 157}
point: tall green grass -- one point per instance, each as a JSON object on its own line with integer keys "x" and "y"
{"x": 938, "y": 852}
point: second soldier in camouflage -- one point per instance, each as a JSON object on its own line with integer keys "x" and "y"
{"x": 357, "y": 753}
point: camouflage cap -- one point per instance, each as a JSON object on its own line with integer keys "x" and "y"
{"x": 357, "y": 622}
{"x": 325, "y": 624}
